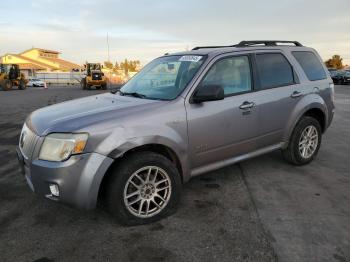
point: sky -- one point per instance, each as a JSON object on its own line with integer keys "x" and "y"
{"x": 146, "y": 29}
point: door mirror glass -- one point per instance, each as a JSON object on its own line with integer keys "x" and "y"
{"x": 208, "y": 92}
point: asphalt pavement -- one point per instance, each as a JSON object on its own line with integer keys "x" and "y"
{"x": 262, "y": 209}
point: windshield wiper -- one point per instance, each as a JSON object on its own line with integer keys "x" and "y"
{"x": 134, "y": 94}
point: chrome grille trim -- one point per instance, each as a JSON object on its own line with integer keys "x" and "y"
{"x": 27, "y": 141}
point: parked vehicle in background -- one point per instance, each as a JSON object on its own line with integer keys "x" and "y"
{"x": 182, "y": 115}
{"x": 10, "y": 76}
{"x": 35, "y": 82}
{"x": 346, "y": 78}
{"x": 337, "y": 77}
{"x": 332, "y": 70}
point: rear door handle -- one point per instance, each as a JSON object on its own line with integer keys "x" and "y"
{"x": 246, "y": 105}
{"x": 296, "y": 94}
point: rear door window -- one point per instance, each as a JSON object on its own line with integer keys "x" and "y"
{"x": 310, "y": 64}
{"x": 274, "y": 70}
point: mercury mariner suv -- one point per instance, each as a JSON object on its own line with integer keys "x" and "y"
{"x": 183, "y": 115}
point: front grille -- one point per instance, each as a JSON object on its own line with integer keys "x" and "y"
{"x": 27, "y": 141}
{"x": 96, "y": 77}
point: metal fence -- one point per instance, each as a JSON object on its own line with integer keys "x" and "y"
{"x": 60, "y": 78}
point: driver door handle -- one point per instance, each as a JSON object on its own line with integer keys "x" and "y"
{"x": 246, "y": 105}
{"x": 296, "y": 94}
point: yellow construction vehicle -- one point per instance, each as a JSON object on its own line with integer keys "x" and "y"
{"x": 94, "y": 77}
{"x": 11, "y": 76}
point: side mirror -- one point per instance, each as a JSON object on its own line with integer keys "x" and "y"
{"x": 208, "y": 93}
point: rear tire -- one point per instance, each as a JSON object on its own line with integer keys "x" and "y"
{"x": 305, "y": 142}
{"x": 98, "y": 87}
{"x": 22, "y": 85}
{"x": 104, "y": 87}
{"x": 137, "y": 178}
{"x": 83, "y": 83}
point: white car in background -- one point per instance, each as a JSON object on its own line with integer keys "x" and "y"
{"x": 35, "y": 82}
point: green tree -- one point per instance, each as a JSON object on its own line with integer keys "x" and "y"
{"x": 108, "y": 65}
{"x": 125, "y": 66}
{"x": 129, "y": 65}
{"x": 335, "y": 62}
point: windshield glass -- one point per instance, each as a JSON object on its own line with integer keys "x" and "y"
{"x": 164, "y": 78}
{"x": 333, "y": 73}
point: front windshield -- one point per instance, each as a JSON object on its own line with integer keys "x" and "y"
{"x": 333, "y": 73}
{"x": 164, "y": 78}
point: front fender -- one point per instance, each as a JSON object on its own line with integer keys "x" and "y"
{"x": 119, "y": 143}
{"x": 311, "y": 101}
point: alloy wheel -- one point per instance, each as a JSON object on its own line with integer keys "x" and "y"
{"x": 147, "y": 191}
{"x": 308, "y": 142}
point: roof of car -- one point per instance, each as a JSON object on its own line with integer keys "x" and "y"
{"x": 244, "y": 46}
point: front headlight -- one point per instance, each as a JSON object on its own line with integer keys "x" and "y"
{"x": 60, "y": 146}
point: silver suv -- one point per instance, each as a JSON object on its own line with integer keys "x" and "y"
{"x": 183, "y": 115}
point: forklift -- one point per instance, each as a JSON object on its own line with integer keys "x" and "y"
{"x": 94, "y": 77}
{"x": 10, "y": 76}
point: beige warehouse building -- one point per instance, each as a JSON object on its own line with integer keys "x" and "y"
{"x": 38, "y": 59}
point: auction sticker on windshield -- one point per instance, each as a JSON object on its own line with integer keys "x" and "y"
{"x": 190, "y": 58}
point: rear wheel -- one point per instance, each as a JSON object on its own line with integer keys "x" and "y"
{"x": 98, "y": 87}
{"x": 144, "y": 188}
{"x": 83, "y": 83}
{"x": 304, "y": 142}
{"x": 21, "y": 85}
{"x": 104, "y": 86}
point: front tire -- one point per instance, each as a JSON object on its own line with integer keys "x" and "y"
{"x": 304, "y": 142}
{"x": 7, "y": 85}
{"x": 144, "y": 187}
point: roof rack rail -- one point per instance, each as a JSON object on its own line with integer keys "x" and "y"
{"x": 218, "y": 46}
{"x": 267, "y": 43}
{"x": 253, "y": 43}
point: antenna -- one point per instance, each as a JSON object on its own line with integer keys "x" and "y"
{"x": 108, "y": 47}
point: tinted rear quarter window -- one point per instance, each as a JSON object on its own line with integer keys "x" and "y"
{"x": 274, "y": 70}
{"x": 310, "y": 64}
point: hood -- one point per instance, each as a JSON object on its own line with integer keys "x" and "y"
{"x": 80, "y": 113}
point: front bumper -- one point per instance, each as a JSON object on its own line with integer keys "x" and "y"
{"x": 97, "y": 82}
{"x": 78, "y": 178}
